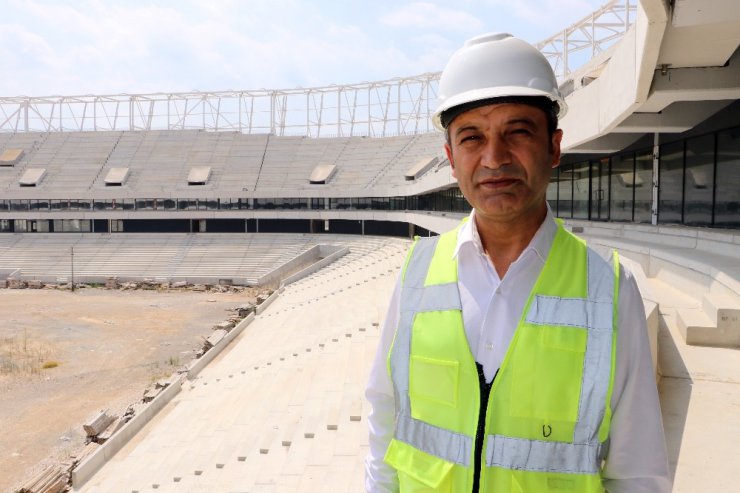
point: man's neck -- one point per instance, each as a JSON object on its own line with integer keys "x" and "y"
{"x": 504, "y": 240}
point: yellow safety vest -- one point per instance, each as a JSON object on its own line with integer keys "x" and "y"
{"x": 543, "y": 423}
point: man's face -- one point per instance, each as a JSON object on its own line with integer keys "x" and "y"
{"x": 502, "y": 157}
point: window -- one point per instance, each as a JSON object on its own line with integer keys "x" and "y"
{"x": 727, "y": 201}
{"x": 670, "y": 187}
{"x": 699, "y": 185}
{"x": 623, "y": 183}
{"x": 643, "y": 187}
{"x": 581, "y": 184}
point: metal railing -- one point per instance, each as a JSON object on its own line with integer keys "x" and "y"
{"x": 399, "y": 106}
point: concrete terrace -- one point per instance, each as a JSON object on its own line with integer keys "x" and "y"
{"x": 282, "y": 409}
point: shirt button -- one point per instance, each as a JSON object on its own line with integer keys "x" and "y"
{"x": 498, "y": 290}
{"x": 489, "y": 346}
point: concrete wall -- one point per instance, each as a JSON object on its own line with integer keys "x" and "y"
{"x": 310, "y": 256}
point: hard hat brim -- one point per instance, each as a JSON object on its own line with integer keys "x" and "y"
{"x": 491, "y": 93}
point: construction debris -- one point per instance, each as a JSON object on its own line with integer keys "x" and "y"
{"x": 99, "y": 423}
{"x": 16, "y": 283}
{"x": 225, "y": 325}
{"x": 152, "y": 392}
{"x": 53, "y": 479}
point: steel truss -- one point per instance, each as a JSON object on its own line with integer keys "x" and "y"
{"x": 400, "y": 106}
{"x": 579, "y": 43}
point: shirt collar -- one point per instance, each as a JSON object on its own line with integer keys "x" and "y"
{"x": 541, "y": 242}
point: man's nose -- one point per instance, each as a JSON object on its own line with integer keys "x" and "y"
{"x": 496, "y": 152}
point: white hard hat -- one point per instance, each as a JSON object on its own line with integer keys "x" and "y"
{"x": 492, "y": 66}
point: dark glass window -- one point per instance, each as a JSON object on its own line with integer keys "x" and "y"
{"x": 565, "y": 193}
{"x": 19, "y": 205}
{"x": 644, "y": 187}
{"x": 727, "y": 195}
{"x": 581, "y": 185}
{"x": 622, "y": 187}
{"x": 670, "y": 187}
{"x": 699, "y": 184}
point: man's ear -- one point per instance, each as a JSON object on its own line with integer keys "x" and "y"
{"x": 448, "y": 151}
{"x": 557, "y": 137}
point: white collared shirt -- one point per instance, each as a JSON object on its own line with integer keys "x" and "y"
{"x": 637, "y": 460}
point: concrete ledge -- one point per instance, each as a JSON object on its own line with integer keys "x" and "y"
{"x": 316, "y": 266}
{"x": 707, "y": 260}
{"x": 309, "y": 256}
{"x": 85, "y": 470}
{"x": 263, "y": 306}
{"x": 197, "y": 365}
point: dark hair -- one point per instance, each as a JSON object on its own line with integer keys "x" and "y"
{"x": 544, "y": 103}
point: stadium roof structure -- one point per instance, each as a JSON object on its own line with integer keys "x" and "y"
{"x": 399, "y": 106}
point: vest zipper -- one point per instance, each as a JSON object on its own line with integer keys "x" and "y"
{"x": 480, "y": 433}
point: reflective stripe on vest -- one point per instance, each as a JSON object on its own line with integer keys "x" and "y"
{"x": 594, "y": 313}
{"x": 445, "y": 444}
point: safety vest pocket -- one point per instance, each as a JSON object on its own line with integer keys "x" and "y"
{"x": 434, "y": 380}
{"x": 547, "y": 375}
{"x": 419, "y": 472}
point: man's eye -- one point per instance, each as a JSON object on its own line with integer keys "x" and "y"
{"x": 468, "y": 138}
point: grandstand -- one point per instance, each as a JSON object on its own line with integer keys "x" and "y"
{"x": 651, "y": 167}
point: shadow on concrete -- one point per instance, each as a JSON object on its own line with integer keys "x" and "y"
{"x": 675, "y": 394}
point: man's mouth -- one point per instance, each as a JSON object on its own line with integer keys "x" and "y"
{"x": 499, "y": 183}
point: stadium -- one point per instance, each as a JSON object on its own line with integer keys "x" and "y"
{"x": 317, "y": 193}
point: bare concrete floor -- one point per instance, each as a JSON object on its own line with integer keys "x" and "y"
{"x": 103, "y": 348}
{"x": 700, "y": 400}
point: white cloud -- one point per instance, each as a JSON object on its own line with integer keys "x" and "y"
{"x": 551, "y": 15}
{"x": 116, "y": 46}
{"x": 425, "y": 15}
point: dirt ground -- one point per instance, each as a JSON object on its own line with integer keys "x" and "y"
{"x": 65, "y": 356}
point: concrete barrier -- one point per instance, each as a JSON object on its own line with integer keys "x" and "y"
{"x": 316, "y": 265}
{"x": 197, "y": 365}
{"x": 90, "y": 465}
{"x": 263, "y": 306}
{"x": 277, "y": 274}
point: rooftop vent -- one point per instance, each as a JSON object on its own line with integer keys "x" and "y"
{"x": 199, "y": 175}
{"x": 32, "y": 177}
{"x": 322, "y": 173}
{"x": 10, "y": 157}
{"x": 420, "y": 168}
{"x": 116, "y": 177}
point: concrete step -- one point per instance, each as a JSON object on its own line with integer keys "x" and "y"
{"x": 696, "y": 327}
{"x": 724, "y": 310}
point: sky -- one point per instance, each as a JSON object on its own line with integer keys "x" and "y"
{"x": 103, "y": 47}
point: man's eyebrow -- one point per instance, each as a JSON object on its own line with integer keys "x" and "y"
{"x": 522, "y": 120}
{"x": 464, "y": 128}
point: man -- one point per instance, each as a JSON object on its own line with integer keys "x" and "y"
{"x": 513, "y": 358}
